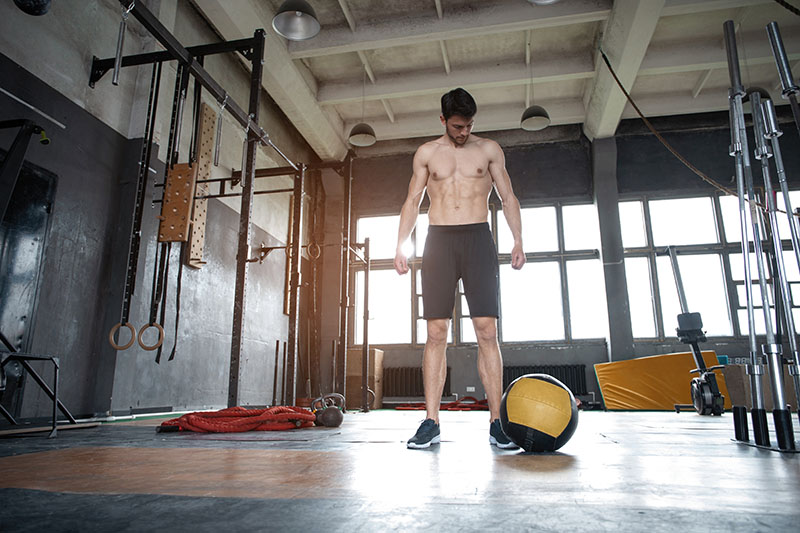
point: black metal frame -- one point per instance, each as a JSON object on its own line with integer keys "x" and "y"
{"x": 253, "y": 50}
{"x": 24, "y": 358}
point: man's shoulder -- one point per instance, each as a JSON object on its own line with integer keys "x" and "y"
{"x": 428, "y": 148}
{"x": 490, "y": 148}
{"x": 483, "y": 142}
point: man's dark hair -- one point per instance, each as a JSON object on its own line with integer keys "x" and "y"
{"x": 458, "y": 102}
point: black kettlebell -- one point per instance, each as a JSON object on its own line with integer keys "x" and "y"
{"x": 331, "y": 417}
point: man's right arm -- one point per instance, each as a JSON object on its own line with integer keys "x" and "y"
{"x": 410, "y": 210}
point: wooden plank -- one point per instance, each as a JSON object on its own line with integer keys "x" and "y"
{"x": 176, "y": 208}
{"x": 208, "y": 119}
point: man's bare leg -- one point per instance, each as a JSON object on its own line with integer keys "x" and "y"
{"x": 434, "y": 365}
{"x": 490, "y": 362}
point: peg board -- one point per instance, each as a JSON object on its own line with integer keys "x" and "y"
{"x": 198, "y": 229}
{"x": 176, "y": 206}
{"x": 208, "y": 121}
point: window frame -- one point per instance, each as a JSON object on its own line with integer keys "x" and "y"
{"x": 722, "y": 248}
{"x": 561, "y": 256}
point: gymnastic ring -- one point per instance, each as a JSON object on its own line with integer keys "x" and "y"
{"x": 313, "y": 255}
{"x": 160, "y": 336}
{"x": 114, "y": 330}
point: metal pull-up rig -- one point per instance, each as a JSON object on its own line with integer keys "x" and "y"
{"x": 190, "y": 64}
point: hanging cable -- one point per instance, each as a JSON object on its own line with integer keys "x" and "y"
{"x": 666, "y": 144}
{"x": 789, "y": 6}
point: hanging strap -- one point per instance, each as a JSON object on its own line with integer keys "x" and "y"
{"x": 178, "y": 300}
{"x": 163, "y": 292}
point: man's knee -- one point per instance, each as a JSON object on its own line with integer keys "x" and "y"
{"x": 485, "y": 329}
{"x": 437, "y": 331}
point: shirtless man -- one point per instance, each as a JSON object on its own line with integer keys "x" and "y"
{"x": 459, "y": 170}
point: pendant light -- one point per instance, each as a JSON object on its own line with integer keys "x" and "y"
{"x": 535, "y": 117}
{"x": 362, "y": 133}
{"x": 296, "y": 20}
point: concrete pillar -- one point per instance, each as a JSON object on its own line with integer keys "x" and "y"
{"x": 606, "y": 198}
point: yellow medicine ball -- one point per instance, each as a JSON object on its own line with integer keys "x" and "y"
{"x": 538, "y": 413}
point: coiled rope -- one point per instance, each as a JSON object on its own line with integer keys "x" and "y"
{"x": 239, "y": 419}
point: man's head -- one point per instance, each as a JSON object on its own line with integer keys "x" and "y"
{"x": 458, "y": 102}
{"x": 458, "y": 110}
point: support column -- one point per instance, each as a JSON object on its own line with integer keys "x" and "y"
{"x": 606, "y": 198}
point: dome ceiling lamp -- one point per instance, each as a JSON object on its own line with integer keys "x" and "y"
{"x": 296, "y": 20}
{"x": 535, "y": 117}
{"x": 362, "y": 133}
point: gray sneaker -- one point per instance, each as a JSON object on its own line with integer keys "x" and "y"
{"x": 498, "y": 438}
{"x": 427, "y": 434}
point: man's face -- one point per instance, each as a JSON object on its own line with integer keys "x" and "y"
{"x": 458, "y": 128}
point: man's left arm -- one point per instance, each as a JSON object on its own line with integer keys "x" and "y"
{"x": 502, "y": 183}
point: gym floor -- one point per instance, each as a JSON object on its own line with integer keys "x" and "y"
{"x": 621, "y": 471}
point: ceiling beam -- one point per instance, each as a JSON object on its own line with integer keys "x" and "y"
{"x": 518, "y": 16}
{"x": 388, "y": 108}
{"x": 709, "y": 54}
{"x": 429, "y": 82}
{"x": 626, "y": 38}
{"x": 488, "y": 20}
{"x": 701, "y": 82}
{"x": 365, "y": 62}
{"x": 348, "y": 16}
{"x": 689, "y": 7}
{"x": 445, "y": 57}
{"x": 282, "y": 79}
{"x": 698, "y": 55}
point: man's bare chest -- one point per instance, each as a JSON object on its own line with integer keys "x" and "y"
{"x": 466, "y": 164}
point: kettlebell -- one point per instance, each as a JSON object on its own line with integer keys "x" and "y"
{"x": 329, "y": 417}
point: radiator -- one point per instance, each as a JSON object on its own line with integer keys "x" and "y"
{"x": 573, "y": 376}
{"x": 407, "y": 382}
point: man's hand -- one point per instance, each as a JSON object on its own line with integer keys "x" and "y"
{"x": 517, "y": 257}
{"x": 400, "y": 263}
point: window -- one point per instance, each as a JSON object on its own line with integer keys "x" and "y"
{"x": 783, "y": 219}
{"x": 382, "y": 234}
{"x": 729, "y": 207}
{"x": 531, "y": 302}
{"x": 640, "y": 296}
{"x": 710, "y": 261}
{"x": 539, "y": 231}
{"x": 682, "y": 221}
{"x": 690, "y": 226}
{"x": 587, "y": 299}
{"x": 581, "y": 227}
{"x": 559, "y": 296}
{"x": 631, "y": 221}
{"x": 704, "y": 285}
{"x": 389, "y": 308}
{"x": 559, "y": 241}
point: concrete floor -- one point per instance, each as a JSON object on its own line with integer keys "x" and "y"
{"x": 622, "y": 471}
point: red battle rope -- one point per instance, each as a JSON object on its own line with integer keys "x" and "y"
{"x": 239, "y": 419}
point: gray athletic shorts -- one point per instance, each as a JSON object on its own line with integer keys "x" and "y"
{"x": 465, "y": 252}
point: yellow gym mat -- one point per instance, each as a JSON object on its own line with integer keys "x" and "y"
{"x": 654, "y": 383}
